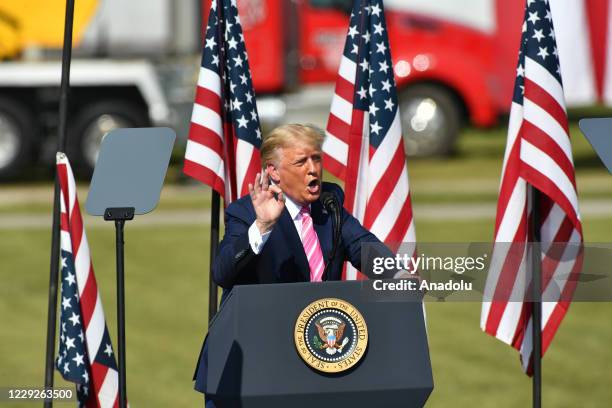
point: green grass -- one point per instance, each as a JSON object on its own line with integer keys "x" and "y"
{"x": 167, "y": 300}
{"x": 166, "y": 307}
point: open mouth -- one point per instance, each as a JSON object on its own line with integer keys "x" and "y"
{"x": 314, "y": 186}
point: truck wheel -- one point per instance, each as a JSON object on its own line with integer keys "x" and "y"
{"x": 430, "y": 117}
{"x": 93, "y": 122}
{"x": 17, "y": 131}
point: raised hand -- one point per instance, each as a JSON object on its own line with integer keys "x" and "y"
{"x": 268, "y": 201}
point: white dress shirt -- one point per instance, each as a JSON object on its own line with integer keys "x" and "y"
{"x": 257, "y": 240}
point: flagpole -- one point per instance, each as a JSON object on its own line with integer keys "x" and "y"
{"x": 214, "y": 216}
{"x": 354, "y": 142}
{"x": 216, "y": 197}
{"x": 214, "y": 240}
{"x": 536, "y": 328}
{"x": 55, "y": 232}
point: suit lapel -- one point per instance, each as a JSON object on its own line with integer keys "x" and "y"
{"x": 294, "y": 243}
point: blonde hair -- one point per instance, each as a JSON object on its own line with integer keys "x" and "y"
{"x": 282, "y": 136}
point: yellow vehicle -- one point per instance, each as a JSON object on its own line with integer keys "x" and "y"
{"x": 110, "y": 88}
{"x": 39, "y": 23}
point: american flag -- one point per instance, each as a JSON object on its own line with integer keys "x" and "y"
{"x": 538, "y": 156}
{"x": 85, "y": 352}
{"x": 364, "y": 144}
{"x": 224, "y": 136}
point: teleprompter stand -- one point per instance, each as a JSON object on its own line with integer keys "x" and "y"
{"x": 120, "y": 216}
{"x": 127, "y": 180}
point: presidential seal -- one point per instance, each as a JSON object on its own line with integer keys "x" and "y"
{"x": 331, "y": 335}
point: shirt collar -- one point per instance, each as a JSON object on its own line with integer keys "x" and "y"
{"x": 293, "y": 208}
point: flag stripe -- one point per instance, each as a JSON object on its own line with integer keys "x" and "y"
{"x": 514, "y": 127}
{"x": 207, "y": 118}
{"x": 342, "y": 109}
{"x": 90, "y": 289}
{"x": 532, "y": 169}
{"x": 516, "y": 207}
{"x": 347, "y": 71}
{"x": 391, "y": 148}
{"x": 95, "y": 330}
{"x": 541, "y": 97}
{"x": 400, "y": 232}
{"x": 198, "y": 153}
{"x": 208, "y": 99}
{"x": 333, "y": 166}
{"x": 506, "y": 278}
{"x": 543, "y": 78}
{"x": 209, "y": 79}
{"x": 205, "y": 175}
{"x": 345, "y": 89}
{"x": 383, "y": 189}
{"x": 542, "y": 120}
{"x": 512, "y": 195}
{"x": 203, "y": 136}
{"x": 540, "y": 140}
{"x": 338, "y": 131}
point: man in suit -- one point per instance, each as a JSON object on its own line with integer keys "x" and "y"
{"x": 281, "y": 232}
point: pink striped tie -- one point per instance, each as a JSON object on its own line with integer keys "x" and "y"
{"x": 312, "y": 246}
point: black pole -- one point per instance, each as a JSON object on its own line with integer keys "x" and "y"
{"x": 55, "y": 231}
{"x": 536, "y": 331}
{"x": 214, "y": 240}
{"x": 52, "y": 304}
{"x": 119, "y": 224}
{"x": 216, "y": 198}
{"x": 120, "y": 216}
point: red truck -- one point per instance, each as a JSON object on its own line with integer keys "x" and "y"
{"x": 454, "y": 62}
{"x": 136, "y": 65}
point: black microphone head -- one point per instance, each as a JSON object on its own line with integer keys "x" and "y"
{"x": 328, "y": 200}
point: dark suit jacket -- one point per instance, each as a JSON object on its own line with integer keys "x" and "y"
{"x": 282, "y": 259}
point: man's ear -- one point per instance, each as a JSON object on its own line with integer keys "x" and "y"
{"x": 273, "y": 172}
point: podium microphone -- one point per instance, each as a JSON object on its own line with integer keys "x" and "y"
{"x": 330, "y": 203}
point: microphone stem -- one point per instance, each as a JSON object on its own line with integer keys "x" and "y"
{"x": 336, "y": 235}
